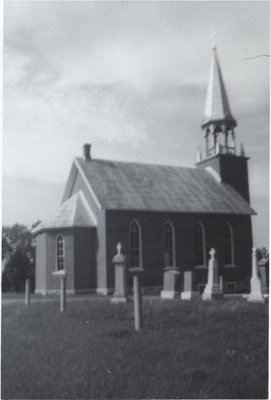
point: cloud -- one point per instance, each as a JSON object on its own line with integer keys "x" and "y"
{"x": 131, "y": 78}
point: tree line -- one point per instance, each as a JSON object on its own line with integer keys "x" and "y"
{"x": 18, "y": 258}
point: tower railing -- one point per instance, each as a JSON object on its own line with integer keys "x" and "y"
{"x": 220, "y": 149}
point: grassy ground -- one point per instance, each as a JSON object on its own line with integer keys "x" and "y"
{"x": 185, "y": 350}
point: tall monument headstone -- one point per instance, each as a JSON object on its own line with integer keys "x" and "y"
{"x": 212, "y": 289}
{"x": 255, "y": 295}
{"x": 119, "y": 261}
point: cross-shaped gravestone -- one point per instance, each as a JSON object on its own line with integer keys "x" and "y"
{"x": 255, "y": 284}
{"x": 119, "y": 247}
{"x": 212, "y": 289}
{"x": 212, "y": 253}
{"x": 120, "y": 276}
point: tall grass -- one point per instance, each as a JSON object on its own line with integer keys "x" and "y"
{"x": 185, "y": 350}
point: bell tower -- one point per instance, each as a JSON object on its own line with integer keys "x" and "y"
{"x": 218, "y": 123}
{"x": 218, "y": 127}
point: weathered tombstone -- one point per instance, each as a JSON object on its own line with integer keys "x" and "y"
{"x": 119, "y": 261}
{"x": 255, "y": 284}
{"x": 188, "y": 293}
{"x": 27, "y": 292}
{"x": 136, "y": 272}
{"x": 212, "y": 289}
{"x": 62, "y": 275}
{"x": 262, "y": 270}
{"x": 169, "y": 288}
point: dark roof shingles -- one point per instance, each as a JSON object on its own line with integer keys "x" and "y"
{"x": 135, "y": 186}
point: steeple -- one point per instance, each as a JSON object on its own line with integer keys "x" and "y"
{"x": 218, "y": 123}
{"x": 221, "y": 158}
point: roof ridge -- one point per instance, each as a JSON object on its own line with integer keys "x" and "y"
{"x": 136, "y": 163}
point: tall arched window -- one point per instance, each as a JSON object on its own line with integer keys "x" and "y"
{"x": 59, "y": 253}
{"x": 228, "y": 245}
{"x": 169, "y": 245}
{"x": 200, "y": 244}
{"x": 135, "y": 244}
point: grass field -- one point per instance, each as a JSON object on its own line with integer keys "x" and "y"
{"x": 185, "y": 350}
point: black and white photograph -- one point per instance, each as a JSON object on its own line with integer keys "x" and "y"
{"x": 135, "y": 199}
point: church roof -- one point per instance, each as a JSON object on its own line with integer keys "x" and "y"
{"x": 74, "y": 212}
{"x": 217, "y": 108}
{"x": 136, "y": 186}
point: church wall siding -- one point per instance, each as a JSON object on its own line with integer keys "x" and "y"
{"x": 232, "y": 170}
{"x": 235, "y": 172}
{"x": 85, "y": 245}
{"x": 152, "y": 242}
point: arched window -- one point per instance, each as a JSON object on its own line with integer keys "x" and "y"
{"x": 200, "y": 245}
{"x": 169, "y": 245}
{"x": 135, "y": 244}
{"x": 59, "y": 253}
{"x": 228, "y": 245}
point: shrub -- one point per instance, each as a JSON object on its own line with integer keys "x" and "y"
{"x": 18, "y": 251}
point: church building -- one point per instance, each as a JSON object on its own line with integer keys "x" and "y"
{"x": 164, "y": 216}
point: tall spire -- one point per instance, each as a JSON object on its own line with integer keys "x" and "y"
{"x": 218, "y": 123}
{"x": 217, "y": 108}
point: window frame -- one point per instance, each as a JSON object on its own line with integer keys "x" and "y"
{"x": 204, "y": 258}
{"x": 170, "y": 224}
{"x": 231, "y": 241}
{"x": 135, "y": 222}
{"x": 62, "y": 256}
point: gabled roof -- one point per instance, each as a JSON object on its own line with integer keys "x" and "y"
{"x": 74, "y": 212}
{"x": 217, "y": 107}
{"x": 147, "y": 187}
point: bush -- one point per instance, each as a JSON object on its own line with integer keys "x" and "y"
{"x": 18, "y": 268}
{"x": 18, "y": 251}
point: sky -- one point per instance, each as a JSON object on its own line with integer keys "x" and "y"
{"x": 130, "y": 78}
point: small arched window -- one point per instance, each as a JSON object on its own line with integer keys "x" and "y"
{"x": 59, "y": 253}
{"x": 228, "y": 245}
{"x": 169, "y": 245}
{"x": 135, "y": 244}
{"x": 200, "y": 244}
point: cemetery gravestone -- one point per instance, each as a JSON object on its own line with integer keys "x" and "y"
{"x": 262, "y": 265}
{"x": 169, "y": 290}
{"x": 188, "y": 293}
{"x": 255, "y": 295}
{"x": 212, "y": 289}
{"x": 120, "y": 293}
